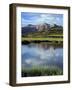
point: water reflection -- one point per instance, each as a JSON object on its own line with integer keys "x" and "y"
{"x": 41, "y": 54}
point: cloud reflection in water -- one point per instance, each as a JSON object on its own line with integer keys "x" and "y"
{"x": 34, "y": 56}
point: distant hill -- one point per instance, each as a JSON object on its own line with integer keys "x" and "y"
{"x": 41, "y": 29}
{"x": 28, "y": 29}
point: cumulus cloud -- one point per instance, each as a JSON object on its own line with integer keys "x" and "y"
{"x": 40, "y": 56}
{"x": 38, "y": 18}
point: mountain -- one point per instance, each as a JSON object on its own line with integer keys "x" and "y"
{"x": 30, "y": 29}
{"x": 43, "y": 27}
{"x": 57, "y": 27}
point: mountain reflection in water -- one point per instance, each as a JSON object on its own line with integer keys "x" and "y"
{"x": 41, "y": 54}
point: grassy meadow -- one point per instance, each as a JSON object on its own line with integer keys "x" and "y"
{"x": 49, "y": 39}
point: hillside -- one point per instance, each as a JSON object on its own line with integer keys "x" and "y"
{"x": 44, "y": 30}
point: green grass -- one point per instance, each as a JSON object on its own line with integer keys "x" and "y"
{"x": 44, "y": 34}
{"x": 41, "y": 71}
{"x": 49, "y": 39}
{"x": 55, "y": 35}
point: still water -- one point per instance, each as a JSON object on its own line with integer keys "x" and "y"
{"x": 39, "y": 55}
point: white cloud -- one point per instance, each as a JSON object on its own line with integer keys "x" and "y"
{"x": 28, "y": 61}
{"x": 42, "y": 18}
{"x": 45, "y": 19}
{"x": 43, "y": 56}
{"x": 33, "y": 61}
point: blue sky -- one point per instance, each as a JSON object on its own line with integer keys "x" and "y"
{"x": 39, "y": 18}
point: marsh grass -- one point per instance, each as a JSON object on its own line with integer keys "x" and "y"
{"x": 41, "y": 71}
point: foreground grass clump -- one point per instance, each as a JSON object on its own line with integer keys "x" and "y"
{"x": 41, "y": 71}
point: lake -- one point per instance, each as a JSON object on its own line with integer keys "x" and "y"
{"x": 41, "y": 55}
